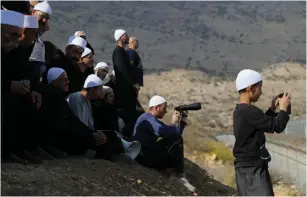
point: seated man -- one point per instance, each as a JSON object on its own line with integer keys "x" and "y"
{"x": 79, "y": 103}
{"x": 162, "y": 145}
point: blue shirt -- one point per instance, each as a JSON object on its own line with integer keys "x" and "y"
{"x": 137, "y": 65}
{"x": 148, "y": 122}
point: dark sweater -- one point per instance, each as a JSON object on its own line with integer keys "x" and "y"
{"x": 249, "y": 125}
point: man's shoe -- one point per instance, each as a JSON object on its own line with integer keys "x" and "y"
{"x": 55, "y": 152}
{"x": 183, "y": 181}
{"x": 43, "y": 154}
{"x": 30, "y": 158}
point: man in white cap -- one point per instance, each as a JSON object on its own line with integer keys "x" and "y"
{"x": 43, "y": 13}
{"x": 83, "y": 35}
{"x": 71, "y": 63}
{"x": 11, "y": 29}
{"x": 126, "y": 83}
{"x": 249, "y": 125}
{"x": 162, "y": 145}
{"x": 79, "y": 103}
{"x": 101, "y": 70}
{"x": 87, "y": 58}
{"x": 70, "y": 134}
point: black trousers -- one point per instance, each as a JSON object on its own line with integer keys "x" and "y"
{"x": 20, "y": 124}
{"x": 112, "y": 147}
{"x": 126, "y": 101}
{"x": 166, "y": 153}
{"x": 254, "y": 181}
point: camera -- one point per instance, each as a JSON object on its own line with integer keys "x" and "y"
{"x": 289, "y": 107}
{"x": 190, "y": 107}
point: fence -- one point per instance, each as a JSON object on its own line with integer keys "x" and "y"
{"x": 287, "y": 162}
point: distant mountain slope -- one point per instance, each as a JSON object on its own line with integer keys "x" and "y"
{"x": 219, "y": 37}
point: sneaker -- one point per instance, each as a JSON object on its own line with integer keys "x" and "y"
{"x": 183, "y": 181}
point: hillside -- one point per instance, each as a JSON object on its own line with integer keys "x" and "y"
{"x": 82, "y": 177}
{"x": 219, "y": 38}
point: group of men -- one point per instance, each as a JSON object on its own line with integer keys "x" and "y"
{"x": 57, "y": 103}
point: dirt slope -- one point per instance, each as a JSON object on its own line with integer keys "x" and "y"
{"x": 77, "y": 176}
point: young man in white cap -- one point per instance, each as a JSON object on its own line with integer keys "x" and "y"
{"x": 79, "y": 103}
{"x": 162, "y": 145}
{"x": 249, "y": 125}
{"x": 126, "y": 83}
{"x": 86, "y": 62}
{"x": 101, "y": 70}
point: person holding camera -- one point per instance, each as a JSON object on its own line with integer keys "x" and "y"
{"x": 249, "y": 125}
{"x": 162, "y": 145}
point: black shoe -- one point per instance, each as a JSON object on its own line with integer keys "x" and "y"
{"x": 30, "y": 158}
{"x": 43, "y": 154}
{"x": 55, "y": 152}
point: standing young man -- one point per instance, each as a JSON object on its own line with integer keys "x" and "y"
{"x": 250, "y": 123}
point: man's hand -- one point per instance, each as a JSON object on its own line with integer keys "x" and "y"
{"x": 176, "y": 117}
{"x": 274, "y": 103}
{"x": 36, "y": 99}
{"x": 19, "y": 88}
{"x": 136, "y": 86}
{"x": 184, "y": 117}
{"x": 100, "y": 138}
{"x": 284, "y": 101}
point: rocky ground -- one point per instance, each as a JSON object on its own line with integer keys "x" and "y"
{"x": 77, "y": 176}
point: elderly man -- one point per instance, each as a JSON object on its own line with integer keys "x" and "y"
{"x": 75, "y": 71}
{"x": 21, "y": 101}
{"x": 162, "y": 145}
{"x": 135, "y": 59}
{"x": 79, "y": 103}
{"x": 126, "y": 83}
{"x": 70, "y": 134}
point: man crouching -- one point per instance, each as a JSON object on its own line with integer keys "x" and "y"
{"x": 162, "y": 145}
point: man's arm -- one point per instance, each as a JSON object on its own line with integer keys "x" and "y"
{"x": 266, "y": 123}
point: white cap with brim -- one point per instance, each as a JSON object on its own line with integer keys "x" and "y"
{"x": 118, "y": 34}
{"x": 78, "y": 41}
{"x": 92, "y": 81}
{"x": 30, "y": 22}
{"x": 12, "y": 18}
{"x": 43, "y": 7}
{"x": 86, "y": 52}
{"x": 101, "y": 65}
{"x": 54, "y": 73}
{"x": 106, "y": 89}
{"x": 247, "y": 78}
{"x": 156, "y": 100}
